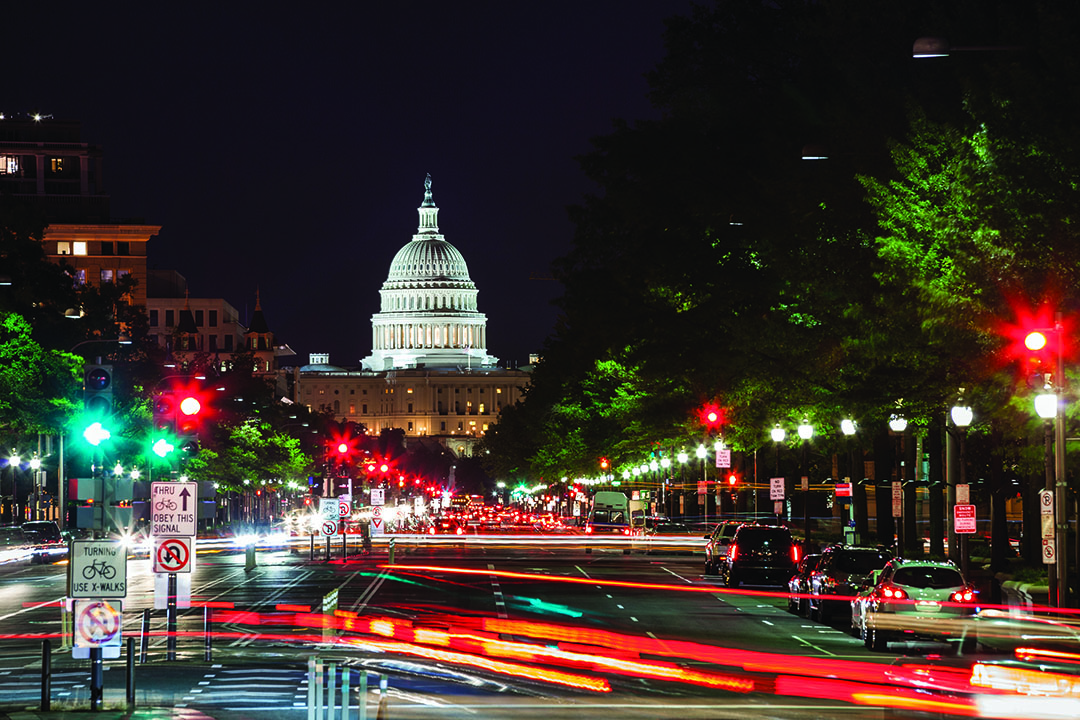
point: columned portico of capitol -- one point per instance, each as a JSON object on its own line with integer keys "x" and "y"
{"x": 429, "y": 372}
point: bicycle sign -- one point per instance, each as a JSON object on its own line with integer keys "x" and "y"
{"x": 97, "y": 569}
{"x": 175, "y": 509}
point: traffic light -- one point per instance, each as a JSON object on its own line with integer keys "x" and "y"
{"x": 164, "y": 411}
{"x": 98, "y": 389}
{"x": 95, "y": 434}
{"x": 604, "y": 463}
{"x": 712, "y": 416}
{"x": 732, "y": 480}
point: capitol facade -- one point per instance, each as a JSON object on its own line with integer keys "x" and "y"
{"x": 429, "y": 372}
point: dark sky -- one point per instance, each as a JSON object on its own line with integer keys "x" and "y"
{"x": 285, "y": 148}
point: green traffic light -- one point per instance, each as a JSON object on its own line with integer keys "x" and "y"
{"x": 162, "y": 447}
{"x": 95, "y": 434}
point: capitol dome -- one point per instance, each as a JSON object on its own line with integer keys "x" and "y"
{"x": 428, "y": 315}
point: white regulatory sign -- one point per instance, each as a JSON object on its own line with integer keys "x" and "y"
{"x": 377, "y": 496}
{"x": 173, "y": 554}
{"x": 174, "y": 508}
{"x": 776, "y": 488}
{"x": 97, "y": 624}
{"x": 328, "y": 516}
{"x": 97, "y": 569}
{"x": 1046, "y": 502}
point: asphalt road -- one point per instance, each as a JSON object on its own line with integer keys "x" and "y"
{"x": 514, "y": 627}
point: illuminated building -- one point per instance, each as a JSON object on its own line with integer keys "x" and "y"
{"x": 45, "y": 163}
{"x": 429, "y": 372}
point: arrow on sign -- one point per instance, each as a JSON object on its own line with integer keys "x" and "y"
{"x": 184, "y": 494}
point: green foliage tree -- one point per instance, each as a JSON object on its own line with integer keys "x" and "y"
{"x": 38, "y": 387}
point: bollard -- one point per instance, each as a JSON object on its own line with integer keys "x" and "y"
{"x": 144, "y": 640}
{"x": 318, "y": 687}
{"x": 346, "y": 674}
{"x": 331, "y": 690}
{"x": 328, "y": 548}
{"x": 312, "y": 556}
{"x": 131, "y": 673}
{"x": 384, "y": 710}
{"x": 249, "y": 558}
{"x": 362, "y": 692}
{"x": 208, "y": 631}
{"x": 392, "y": 550}
{"x": 46, "y": 675}
{"x": 311, "y": 687}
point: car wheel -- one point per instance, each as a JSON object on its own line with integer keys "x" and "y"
{"x": 822, "y": 613}
{"x": 878, "y": 643}
{"x": 792, "y": 604}
{"x": 732, "y": 580}
{"x": 866, "y": 640}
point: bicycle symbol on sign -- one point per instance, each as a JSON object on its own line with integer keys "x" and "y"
{"x": 165, "y": 504}
{"x": 99, "y": 567}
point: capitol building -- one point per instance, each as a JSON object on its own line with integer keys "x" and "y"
{"x": 429, "y": 372}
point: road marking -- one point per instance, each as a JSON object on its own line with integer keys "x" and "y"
{"x": 578, "y": 568}
{"x": 767, "y": 622}
{"x": 686, "y": 580}
{"x": 365, "y": 598}
{"x": 809, "y": 644}
{"x": 499, "y": 604}
{"x": 634, "y": 618}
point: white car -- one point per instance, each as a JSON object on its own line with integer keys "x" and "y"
{"x": 916, "y": 600}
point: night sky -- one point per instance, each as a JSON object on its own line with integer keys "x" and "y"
{"x": 285, "y": 149}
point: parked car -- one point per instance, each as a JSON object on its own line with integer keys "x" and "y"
{"x": 842, "y": 571}
{"x": 760, "y": 555}
{"x": 445, "y": 526}
{"x": 798, "y": 585}
{"x": 47, "y": 544}
{"x": 916, "y": 599}
{"x": 717, "y": 547}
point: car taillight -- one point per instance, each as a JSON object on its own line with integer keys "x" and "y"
{"x": 588, "y": 529}
{"x": 460, "y": 531}
{"x": 732, "y": 552}
{"x": 893, "y": 593}
{"x": 626, "y": 531}
{"x": 963, "y": 596}
{"x": 795, "y": 554}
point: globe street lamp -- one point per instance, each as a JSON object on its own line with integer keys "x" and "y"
{"x": 683, "y": 458}
{"x": 806, "y": 431}
{"x": 665, "y": 463}
{"x": 848, "y": 428}
{"x": 9, "y": 507}
{"x": 961, "y": 417}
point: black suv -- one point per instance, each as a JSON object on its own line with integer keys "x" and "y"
{"x": 839, "y": 574}
{"x": 760, "y": 555}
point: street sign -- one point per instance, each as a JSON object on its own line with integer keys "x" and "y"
{"x": 174, "y": 508}
{"x": 1046, "y": 502}
{"x": 723, "y": 458}
{"x": 805, "y": 483}
{"x": 778, "y": 507}
{"x": 97, "y": 625}
{"x": 702, "y": 488}
{"x": 964, "y": 519}
{"x": 173, "y": 554}
{"x": 897, "y": 499}
{"x": 843, "y": 489}
{"x": 776, "y": 488}
{"x": 1049, "y": 551}
{"x": 344, "y": 506}
{"x": 377, "y": 496}
{"x": 328, "y": 516}
{"x": 963, "y": 494}
{"x": 97, "y": 569}
{"x": 377, "y": 526}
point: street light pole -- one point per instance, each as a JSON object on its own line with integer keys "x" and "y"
{"x": 806, "y": 431}
{"x": 1061, "y": 513}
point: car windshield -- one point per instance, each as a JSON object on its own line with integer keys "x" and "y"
{"x": 928, "y": 578}
{"x": 44, "y": 531}
{"x": 861, "y": 563}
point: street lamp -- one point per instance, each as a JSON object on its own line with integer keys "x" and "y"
{"x": 665, "y": 463}
{"x": 961, "y": 417}
{"x": 13, "y": 463}
{"x": 683, "y": 458}
{"x": 701, "y": 452}
{"x": 806, "y": 431}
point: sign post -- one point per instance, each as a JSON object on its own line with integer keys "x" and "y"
{"x": 174, "y": 515}
{"x": 1046, "y": 520}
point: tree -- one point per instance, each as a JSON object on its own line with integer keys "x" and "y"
{"x": 38, "y": 387}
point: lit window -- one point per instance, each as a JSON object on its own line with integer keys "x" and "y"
{"x": 56, "y": 164}
{"x": 122, "y": 273}
{"x": 322, "y": 392}
{"x": 352, "y": 409}
{"x": 410, "y": 427}
{"x": 107, "y": 276}
{"x": 409, "y": 391}
{"x": 9, "y": 165}
{"x": 78, "y": 247}
{"x": 498, "y": 391}
{"x": 63, "y": 248}
{"x": 481, "y": 408}
{"x": 80, "y": 276}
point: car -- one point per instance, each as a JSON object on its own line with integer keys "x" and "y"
{"x": 717, "y": 546}
{"x": 47, "y": 544}
{"x": 799, "y": 583}
{"x": 760, "y": 555}
{"x": 14, "y": 547}
{"x": 843, "y": 569}
{"x": 445, "y": 526}
{"x": 916, "y": 600}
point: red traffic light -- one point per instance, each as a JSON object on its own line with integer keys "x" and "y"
{"x": 712, "y": 416}
{"x": 733, "y": 479}
{"x": 604, "y": 464}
